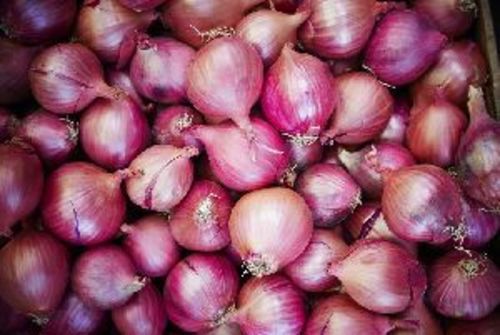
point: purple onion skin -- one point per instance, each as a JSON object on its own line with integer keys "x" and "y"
{"x": 11, "y": 320}
{"x": 141, "y": 5}
{"x": 482, "y": 225}
{"x": 121, "y": 80}
{"x": 172, "y": 123}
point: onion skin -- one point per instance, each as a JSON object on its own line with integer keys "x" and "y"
{"x": 141, "y": 5}
{"x": 489, "y": 325}
{"x": 171, "y": 124}
{"x": 396, "y": 128}
{"x": 481, "y": 224}
{"x": 35, "y": 272}
{"x": 428, "y": 324}
{"x": 121, "y": 79}
{"x": 303, "y": 156}
{"x": 464, "y": 285}
{"x": 11, "y": 320}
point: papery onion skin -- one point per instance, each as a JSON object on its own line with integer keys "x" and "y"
{"x": 35, "y": 272}
{"x": 331, "y": 193}
{"x": 396, "y": 128}
{"x": 270, "y": 305}
{"x": 395, "y": 53}
{"x": 141, "y": 5}
{"x": 489, "y": 325}
{"x": 151, "y": 246}
{"x": 285, "y": 217}
{"x": 358, "y": 117}
{"x": 481, "y": 224}
{"x": 171, "y": 124}
{"x": 121, "y": 79}
{"x": 196, "y": 299}
{"x": 464, "y": 285}
{"x": 83, "y": 204}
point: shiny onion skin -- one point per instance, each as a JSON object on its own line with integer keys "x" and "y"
{"x": 159, "y": 68}
{"x": 83, "y": 204}
{"x": 464, "y": 285}
{"x": 265, "y": 159}
{"x": 114, "y": 132}
{"x": 422, "y": 203}
{"x": 359, "y": 118}
{"x": 268, "y": 31}
{"x": 392, "y": 277}
{"x": 143, "y": 314}
{"x": 270, "y": 305}
{"x": 396, "y": 54}
{"x": 331, "y": 193}
{"x": 141, "y": 5}
{"x": 151, "y": 246}
{"x": 21, "y": 184}
{"x": 35, "y": 272}
{"x": 121, "y": 79}
{"x": 481, "y": 225}
{"x": 66, "y": 78}
{"x": 199, "y": 222}
{"x": 283, "y": 215}
{"x": 299, "y": 95}
{"x": 200, "y": 292}
{"x": 395, "y": 131}
{"x": 105, "y": 277}
{"x": 310, "y": 270}
{"x": 163, "y": 176}
{"x": 171, "y": 124}
{"x": 109, "y": 29}
{"x": 428, "y": 324}
{"x": 489, "y": 325}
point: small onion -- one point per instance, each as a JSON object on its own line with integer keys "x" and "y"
{"x": 427, "y": 322}
{"x": 302, "y": 155}
{"x": 141, "y": 5}
{"x": 121, "y": 79}
{"x": 396, "y": 128}
{"x": 489, "y": 325}
{"x": 481, "y": 225}
{"x": 171, "y": 125}
{"x": 288, "y": 226}
{"x": 341, "y": 66}
{"x": 11, "y": 320}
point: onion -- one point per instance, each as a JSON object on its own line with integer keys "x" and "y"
{"x": 200, "y": 292}
{"x": 392, "y": 277}
{"x": 487, "y": 326}
{"x": 481, "y": 225}
{"x": 302, "y": 156}
{"x": 83, "y": 204}
{"x": 268, "y": 31}
{"x": 21, "y": 184}
{"x": 330, "y": 192}
{"x": 11, "y": 320}
{"x": 395, "y": 53}
{"x": 341, "y": 66}
{"x": 154, "y": 58}
{"x": 121, "y": 80}
{"x": 164, "y": 174}
{"x": 396, "y": 128}
{"x": 73, "y": 317}
{"x": 270, "y": 305}
{"x": 363, "y": 109}
{"x": 427, "y": 322}
{"x": 370, "y": 165}
{"x": 171, "y": 125}
{"x": 8, "y": 124}
{"x": 53, "y": 138}
{"x": 38, "y": 22}
{"x": 422, "y": 203}
{"x": 198, "y": 21}
{"x": 109, "y": 29}
{"x": 464, "y": 285}
{"x": 310, "y": 270}
{"x": 264, "y": 163}
{"x": 105, "y": 277}
{"x": 114, "y": 132}
{"x": 141, "y": 5}
{"x": 66, "y": 78}
{"x": 143, "y": 314}
{"x": 285, "y": 218}
{"x": 35, "y": 272}
{"x": 478, "y": 155}
{"x": 199, "y": 222}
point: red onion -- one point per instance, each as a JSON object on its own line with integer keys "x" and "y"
{"x": 452, "y": 17}
{"x": 392, "y": 277}
{"x": 200, "y": 292}
{"x": 164, "y": 174}
{"x": 53, "y": 138}
{"x": 459, "y": 65}
{"x": 66, "y": 78}
{"x": 270, "y": 305}
{"x": 105, "y": 277}
{"x": 198, "y": 21}
{"x": 396, "y": 128}
{"x": 35, "y": 272}
{"x": 83, "y": 204}
{"x": 427, "y": 322}
{"x": 268, "y": 31}
{"x": 21, "y": 184}
{"x": 199, "y": 222}
{"x": 154, "y": 58}
{"x": 143, "y": 314}
{"x": 263, "y": 163}
{"x": 396, "y": 54}
{"x": 330, "y": 192}
{"x": 141, "y": 5}
{"x": 114, "y": 132}
{"x": 481, "y": 225}
{"x": 478, "y": 155}
{"x": 464, "y": 285}
{"x": 235, "y": 70}
{"x": 73, "y": 317}
{"x": 109, "y": 29}
{"x": 121, "y": 80}
{"x": 370, "y": 165}
{"x": 310, "y": 270}
{"x": 10, "y": 319}
{"x": 288, "y": 226}
{"x": 341, "y": 66}
{"x": 151, "y": 246}
{"x": 422, "y": 203}
{"x": 171, "y": 123}
{"x": 8, "y": 124}
{"x": 298, "y": 96}
{"x": 303, "y": 156}
{"x": 487, "y": 326}
{"x": 363, "y": 109}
